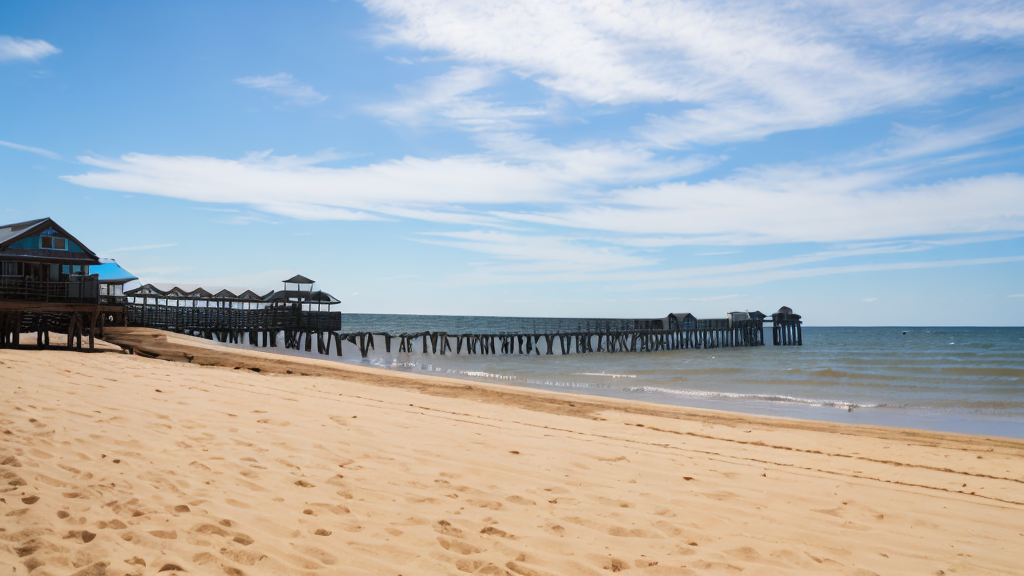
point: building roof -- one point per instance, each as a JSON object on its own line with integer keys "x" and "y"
{"x": 298, "y": 279}
{"x": 145, "y": 290}
{"x": 317, "y": 297}
{"x": 200, "y": 293}
{"x": 11, "y": 233}
{"x": 681, "y": 314}
{"x": 8, "y": 231}
{"x": 110, "y": 272}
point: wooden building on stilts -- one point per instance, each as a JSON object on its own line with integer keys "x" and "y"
{"x": 49, "y": 282}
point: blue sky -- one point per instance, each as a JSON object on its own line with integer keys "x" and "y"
{"x": 860, "y": 161}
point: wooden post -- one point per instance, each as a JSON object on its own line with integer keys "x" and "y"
{"x": 92, "y": 328}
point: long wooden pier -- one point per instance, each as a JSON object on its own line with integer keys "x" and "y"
{"x": 699, "y": 334}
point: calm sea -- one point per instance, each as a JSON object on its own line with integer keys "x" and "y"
{"x": 968, "y": 380}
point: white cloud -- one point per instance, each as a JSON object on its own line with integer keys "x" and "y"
{"x": 564, "y": 187}
{"x": 32, "y": 149}
{"x": 144, "y": 247}
{"x": 715, "y": 298}
{"x": 540, "y": 253}
{"x": 453, "y": 98}
{"x": 913, "y": 142}
{"x": 741, "y": 70}
{"x": 777, "y": 205}
{"x": 284, "y": 84}
{"x": 774, "y": 275}
{"x": 12, "y": 48}
{"x": 515, "y": 171}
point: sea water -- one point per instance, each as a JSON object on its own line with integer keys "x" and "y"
{"x": 968, "y": 380}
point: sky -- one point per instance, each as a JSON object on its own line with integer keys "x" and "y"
{"x": 861, "y": 162}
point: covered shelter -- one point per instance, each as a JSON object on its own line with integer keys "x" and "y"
{"x": 682, "y": 321}
{"x": 112, "y": 278}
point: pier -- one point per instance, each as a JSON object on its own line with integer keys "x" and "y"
{"x": 300, "y": 325}
{"x": 51, "y": 282}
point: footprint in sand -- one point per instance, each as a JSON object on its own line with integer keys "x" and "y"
{"x": 242, "y": 556}
{"x": 84, "y": 535}
{"x": 211, "y": 529}
{"x": 322, "y": 556}
{"x": 492, "y": 531}
{"x": 457, "y": 546}
{"x": 491, "y": 504}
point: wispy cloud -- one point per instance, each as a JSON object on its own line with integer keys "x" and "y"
{"x": 440, "y": 190}
{"x": 143, "y": 247}
{"x": 736, "y": 71}
{"x": 715, "y": 298}
{"x": 284, "y": 84}
{"x": 13, "y": 49}
{"x": 540, "y": 253}
{"x": 32, "y": 149}
{"x": 453, "y": 98}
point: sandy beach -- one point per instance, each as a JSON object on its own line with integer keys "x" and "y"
{"x": 241, "y": 462}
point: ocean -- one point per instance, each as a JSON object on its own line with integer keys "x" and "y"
{"x": 968, "y": 380}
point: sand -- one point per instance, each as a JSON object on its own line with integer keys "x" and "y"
{"x": 123, "y": 464}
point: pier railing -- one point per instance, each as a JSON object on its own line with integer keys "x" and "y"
{"x": 203, "y": 319}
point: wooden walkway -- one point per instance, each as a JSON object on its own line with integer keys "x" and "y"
{"x": 311, "y": 331}
{"x": 706, "y": 334}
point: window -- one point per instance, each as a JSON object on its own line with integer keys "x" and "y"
{"x": 11, "y": 269}
{"x": 52, "y": 243}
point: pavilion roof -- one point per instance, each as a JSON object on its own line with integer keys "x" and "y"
{"x": 298, "y": 279}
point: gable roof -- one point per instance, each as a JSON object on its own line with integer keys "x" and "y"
{"x": 145, "y": 290}
{"x": 11, "y": 233}
{"x": 8, "y": 231}
{"x": 250, "y": 295}
{"x": 298, "y": 279}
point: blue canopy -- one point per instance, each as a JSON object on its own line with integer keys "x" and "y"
{"x": 110, "y": 272}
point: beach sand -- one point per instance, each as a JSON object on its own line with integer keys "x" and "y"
{"x": 125, "y": 464}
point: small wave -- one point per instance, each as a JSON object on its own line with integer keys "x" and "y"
{"x": 705, "y": 394}
{"x": 604, "y": 374}
{"x": 395, "y": 365}
{"x": 558, "y": 384}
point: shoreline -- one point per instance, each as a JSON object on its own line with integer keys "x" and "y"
{"x": 920, "y": 418}
{"x": 180, "y": 348}
{"x": 119, "y": 464}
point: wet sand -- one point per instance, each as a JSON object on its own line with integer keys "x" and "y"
{"x": 234, "y": 462}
